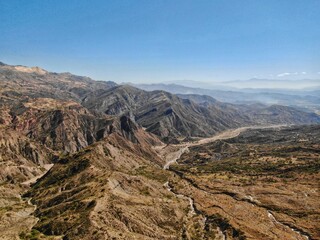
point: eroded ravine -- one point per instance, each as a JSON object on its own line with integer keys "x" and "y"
{"x": 299, "y": 234}
{"x": 19, "y": 218}
{"x": 249, "y": 199}
{"x": 295, "y": 230}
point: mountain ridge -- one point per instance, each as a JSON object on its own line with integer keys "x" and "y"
{"x": 109, "y": 145}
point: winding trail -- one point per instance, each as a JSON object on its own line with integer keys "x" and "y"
{"x": 19, "y": 216}
{"x": 34, "y": 179}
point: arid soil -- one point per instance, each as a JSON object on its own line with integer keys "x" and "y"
{"x": 85, "y": 159}
{"x": 236, "y": 185}
{"x": 263, "y": 184}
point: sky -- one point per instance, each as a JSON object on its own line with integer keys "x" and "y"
{"x": 149, "y": 41}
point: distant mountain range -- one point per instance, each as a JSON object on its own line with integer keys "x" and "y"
{"x": 307, "y": 100}
{"x": 255, "y": 83}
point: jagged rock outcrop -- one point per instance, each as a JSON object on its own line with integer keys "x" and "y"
{"x": 20, "y": 157}
{"x": 60, "y": 125}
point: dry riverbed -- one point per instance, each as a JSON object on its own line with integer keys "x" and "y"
{"x": 240, "y": 205}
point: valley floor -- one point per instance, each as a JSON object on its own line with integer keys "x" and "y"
{"x": 246, "y": 183}
{"x": 259, "y": 184}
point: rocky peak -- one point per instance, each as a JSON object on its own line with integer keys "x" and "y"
{"x": 36, "y": 70}
{"x": 128, "y": 128}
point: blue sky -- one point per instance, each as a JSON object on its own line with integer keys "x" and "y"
{"x": 157, "y": 41}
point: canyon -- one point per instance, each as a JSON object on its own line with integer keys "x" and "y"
{"x": 85, "y": 159}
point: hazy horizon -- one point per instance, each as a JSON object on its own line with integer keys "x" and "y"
{"x": 160, "y": 41}
{"x": 253, "y": 83}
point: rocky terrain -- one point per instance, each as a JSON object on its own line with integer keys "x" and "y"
{"x": 170, "y": 117}
{"x": 111, "y": 189}
{"x": 175, "y": 118}
{"x": 18, "y": 83}
{"x": 164, "y": 114}
{"x": 264, "y": 182}
{"x": 84, "y": 159}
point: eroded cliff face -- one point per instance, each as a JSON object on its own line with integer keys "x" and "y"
{"x": 38, "y": 131}
{"x": 91, "y": 152}
{"x": 21, "y": 158}
{"x": 60, "y": 125}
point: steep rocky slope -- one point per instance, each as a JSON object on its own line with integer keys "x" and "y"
{"x": 172, "y": 117}
{"x": 36, "y": 132}
{"x": 21, "y": 158}
{"x": 60, "y": 125}
{"x": 112, "y": 189}
{"x": 162, "y": 113}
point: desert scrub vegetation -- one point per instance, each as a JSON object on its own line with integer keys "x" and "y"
{"x": 268, "y": 159}
{"x": 35, "y": 235}
{"x": 153, "y": 173}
